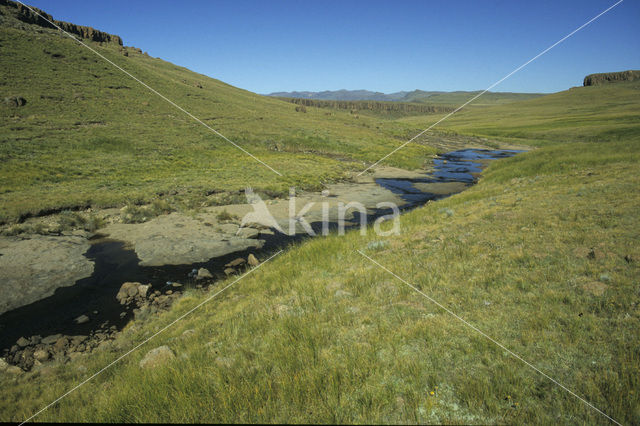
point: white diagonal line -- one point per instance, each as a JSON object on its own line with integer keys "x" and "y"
{"x": 513, "y": 354}
{"x": 149, "y": 338}
{"x": 155, "y": 91}
{"x": 493, "y": 85}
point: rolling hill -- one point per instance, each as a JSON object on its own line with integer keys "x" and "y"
{"x": 542, "y": 254}
{"x": 429, "y": 97}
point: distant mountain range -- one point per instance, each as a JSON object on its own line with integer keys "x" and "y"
{"x": 432, "y": 97}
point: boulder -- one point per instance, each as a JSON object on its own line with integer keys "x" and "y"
{"x": 252, "y": 260}
{"x": 3, "y": 364}
{"x": 157, "y": 357}
{"x": 143, "y": 290}
{"x": 127, "y": 290}
{"x": 22, "y": 342}
{"x": 203, "y": 274}
{"x": 229, "y": 271}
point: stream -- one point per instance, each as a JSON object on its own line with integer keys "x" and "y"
{"x": 116, "y": 264}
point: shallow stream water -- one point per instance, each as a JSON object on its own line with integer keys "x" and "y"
{"x": 115, "y": 264}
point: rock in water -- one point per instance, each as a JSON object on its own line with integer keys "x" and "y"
{"x": 157, "y": 357}
{"x": 203, "y": 273}
{"x": 236, "y": 262}
{"x": 82, "y": 319}
{"x": 252, "y": 260}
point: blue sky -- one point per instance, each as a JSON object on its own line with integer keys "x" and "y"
{"x": 387, "y": 46}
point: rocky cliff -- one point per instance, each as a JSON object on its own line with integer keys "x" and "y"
{"x": 611, "y": 77}
{"x": 10, "y": 9}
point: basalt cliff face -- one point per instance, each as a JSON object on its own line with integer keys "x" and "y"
{"x": 11, "y": 10}
{"x": 611, "y": 77}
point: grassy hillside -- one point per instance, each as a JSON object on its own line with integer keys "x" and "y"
{"x": 586, "y": 114}
{"x": 90, "y": 135}
{"x": 455, "y": 99}
{"x": 542, "y": 255}
{"x": 450, "y": 99}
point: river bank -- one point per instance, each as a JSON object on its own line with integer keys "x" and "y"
{"x": 176, "y": 251}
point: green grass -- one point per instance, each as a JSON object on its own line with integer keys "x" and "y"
{"x": 90, "y": 135}
{"x": 587, "y": 114}
{"x": 320, "y": 334}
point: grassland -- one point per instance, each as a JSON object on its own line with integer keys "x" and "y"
{"x": 90, "y": 135}
{"x": 541, "y": 255}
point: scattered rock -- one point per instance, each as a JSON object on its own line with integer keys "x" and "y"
{"x": 176, "y": 285}
{"x": 51, "y": 339}
{"x": 82, "y": 319}
{"x": 236, "y": 262}
{"x": 41, "y": 355}
{"x": 143, "y": 290}
{"x": 13, "y": 370}
{"x": 157, "y": 357}
{"x": 132, "y": 291}
{"x": 252, "y": 260}
{"x": 229, "y": 271}
{"x": 61, "y": 344}
{"x": 203, "y": 274}
{"x": 22, "y": 342}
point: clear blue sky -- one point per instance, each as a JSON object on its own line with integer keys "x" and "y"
{"x": 388, "y": 46}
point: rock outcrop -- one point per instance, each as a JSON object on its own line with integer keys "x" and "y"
{"x": 611, "y": 77}
{"x": 33, "y": 268}
{"x": 35, "y": 16}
